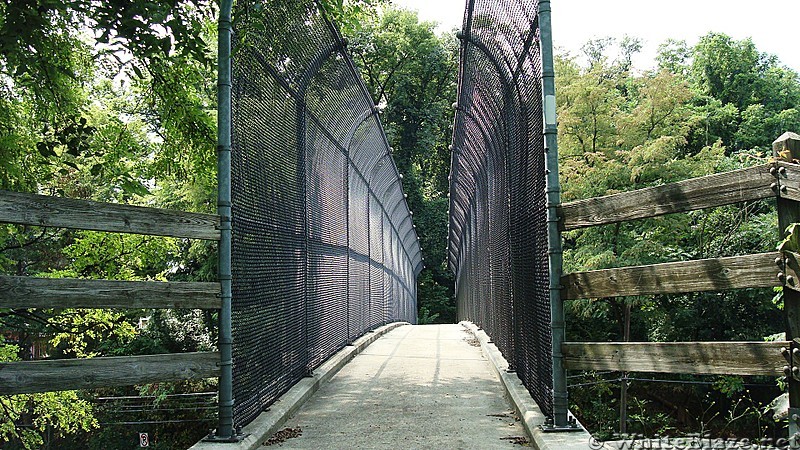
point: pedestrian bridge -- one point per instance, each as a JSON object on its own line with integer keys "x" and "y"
{"x": 408, "y": 386}
{"x": 319, "y": 256}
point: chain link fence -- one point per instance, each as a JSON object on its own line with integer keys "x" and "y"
{"x": 498, "y": 207}
{"x": 323, "y": 244}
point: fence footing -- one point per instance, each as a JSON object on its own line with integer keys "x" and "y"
{"x": 551, "y": 428}
{"x": 238, "y": 437}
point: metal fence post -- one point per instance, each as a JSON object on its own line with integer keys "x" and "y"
{"x": 225, "y": 430}
{"x": 554, "y": 249}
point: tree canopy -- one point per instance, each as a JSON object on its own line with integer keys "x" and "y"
{"x": 709, "y": 108}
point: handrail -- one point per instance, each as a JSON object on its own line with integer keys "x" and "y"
{"x": 753, "y": 183}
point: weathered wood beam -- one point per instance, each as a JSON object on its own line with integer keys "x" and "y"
{"x": 45, "y": 211}
{"x": 699, "y": 358}
{"x": 718, "y": 274}
{"x": 753, "y": 183}
{"x": 29, "y": 292}
{"x": 25, "y": 377}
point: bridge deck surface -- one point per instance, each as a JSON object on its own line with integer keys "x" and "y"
{"x": 418, "y": 387}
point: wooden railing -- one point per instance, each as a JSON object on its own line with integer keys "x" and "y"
{"x": 779, "y": 180}
{"x": 699, "y": 358}
{"x": 720, "y": 189}
{"x": 44, "y": 211}
{"x": 27, "y": 292}
{"x": 717, "y": 274}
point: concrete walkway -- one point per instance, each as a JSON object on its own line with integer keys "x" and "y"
{"x": 418, "y": 387}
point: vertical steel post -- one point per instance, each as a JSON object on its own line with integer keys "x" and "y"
{"x": 225, "y": 429}
{"x": 554, "y": 250}
{"x": 302, "y": 164}
{"x": 347, "y": 163}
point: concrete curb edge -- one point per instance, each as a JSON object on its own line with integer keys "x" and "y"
{"x": 270, "y": 421}
{"x": 527, "y": 409}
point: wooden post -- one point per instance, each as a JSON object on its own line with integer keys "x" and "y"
{"x": 787, "y": 148}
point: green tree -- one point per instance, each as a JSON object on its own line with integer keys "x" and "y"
{"x": 711, "y": 108}
{"x": 110, "y": 101}
{"x": 118, "y": 109}
{"x": 748, "y": 97}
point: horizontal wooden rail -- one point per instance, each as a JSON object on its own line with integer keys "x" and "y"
{"x": 25, "y": 377}
{"x": 719, "y": 274}
{"x": 45, "y": 211}
{"x": 28, "y": 292}
{"x": 697, "y": 193}
{"x": 699, "y": 358}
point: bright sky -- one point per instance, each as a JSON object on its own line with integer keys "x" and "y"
{"x": 770, "y": 23}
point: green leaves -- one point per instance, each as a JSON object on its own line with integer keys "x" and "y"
{"x": 9, "y": 352}
{"x": 349, "y": 15}
{"x": 711, "y": 108}
{"x": 129, "y": 118}
{"x": 60, "y": 412}
{"x": 152, "y": 30}
{"x": 63, "y": 412}
{"x": 45, "y": 149}
{"x": 137, "y": 70}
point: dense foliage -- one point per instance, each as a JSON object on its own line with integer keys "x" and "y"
{"x": 109, "y": 101}
{"x": 713, "y": 107}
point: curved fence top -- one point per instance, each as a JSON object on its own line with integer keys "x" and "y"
{"x": 498, "y": 223}
{"x": 324, "y": 248}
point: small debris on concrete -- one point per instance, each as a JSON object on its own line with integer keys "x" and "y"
{"x": 472, "y": 341}
{"x": 284, "y": 435}
{"x": 517, "y": 440}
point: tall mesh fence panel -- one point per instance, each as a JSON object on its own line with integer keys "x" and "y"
{"x": 498, "y": 208}
{"x": 320, "y": 222}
